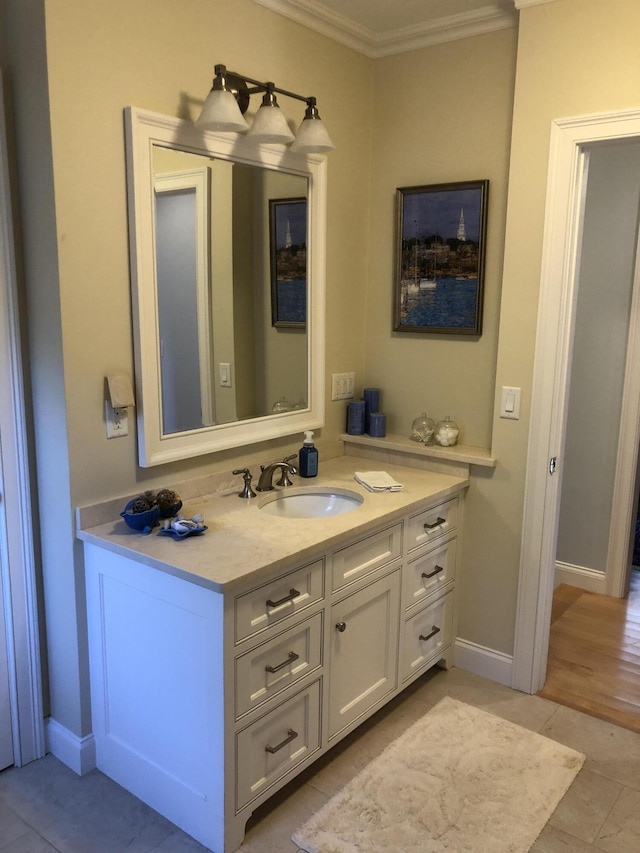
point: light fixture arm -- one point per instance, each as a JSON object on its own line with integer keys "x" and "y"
{"x": 237, "y": 83}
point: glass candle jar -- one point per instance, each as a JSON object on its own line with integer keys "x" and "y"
{"x": 422, "y": 429}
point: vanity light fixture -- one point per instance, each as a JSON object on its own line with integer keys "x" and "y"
{"x": 229, "y": 99}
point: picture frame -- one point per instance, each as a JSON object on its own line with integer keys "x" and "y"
{"x": 288, "y": 253}
{"x": 439, "y": 263}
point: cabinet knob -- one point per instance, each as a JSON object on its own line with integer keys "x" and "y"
{"x": 341, "y": 626}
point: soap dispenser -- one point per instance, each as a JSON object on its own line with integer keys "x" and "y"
{"x": 308, "y": 457}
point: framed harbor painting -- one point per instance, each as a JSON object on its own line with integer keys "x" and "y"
{"x": 439, "y": 269}
{"x": 288, "y": 250}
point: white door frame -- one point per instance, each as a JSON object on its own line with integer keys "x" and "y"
{"x": 18, "y": 587}
{"x": 568, "y": 165}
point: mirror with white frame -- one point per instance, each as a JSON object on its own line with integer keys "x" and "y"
{"x": 227, "y": 245}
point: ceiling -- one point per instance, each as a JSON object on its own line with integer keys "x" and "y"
{"x": 383, "y": 27}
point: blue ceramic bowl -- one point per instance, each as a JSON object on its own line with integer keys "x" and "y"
{"x": 143, "y": 522}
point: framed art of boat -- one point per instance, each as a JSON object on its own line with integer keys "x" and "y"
{"x": 439, "y": 269}
{"x": 288, "y": 250}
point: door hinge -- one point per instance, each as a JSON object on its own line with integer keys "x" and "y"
{"x": 552, "y": 464}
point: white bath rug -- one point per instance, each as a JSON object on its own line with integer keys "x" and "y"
{"x": 459, "y": 780}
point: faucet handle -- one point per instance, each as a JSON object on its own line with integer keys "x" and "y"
{"x": 247, "y": 491}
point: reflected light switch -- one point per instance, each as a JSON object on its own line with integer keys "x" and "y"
{"x": 225, "y": 374}
{"x": 510, "y": 403}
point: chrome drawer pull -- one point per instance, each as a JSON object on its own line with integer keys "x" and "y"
{"x": 293, "y": 593}
{"x": 292, "y": 656}
{"x": 434, "y": 631}
{"x": 291, "y": 735}
{"x": 436, "y": 523}
{"x": 432, "y": 574}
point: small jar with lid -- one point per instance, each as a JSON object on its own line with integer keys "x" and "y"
{"x": 422, "y": 429}
{"x": 447, "y": 432}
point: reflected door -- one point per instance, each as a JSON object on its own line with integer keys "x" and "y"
{"x": 183, "y": 302}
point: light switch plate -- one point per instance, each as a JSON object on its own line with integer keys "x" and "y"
{"x": 342, "y": 385}
{"x": 225, "y": 374}
{"x": 510, "y": 403}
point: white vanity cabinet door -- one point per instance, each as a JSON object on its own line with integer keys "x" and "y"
{"x": 277, "y": 744}
{"x": 429, "y": 574}
{"x": 432, "y": 523}
{"x": 364, "y": 650}
{"x": 264, "y": 672}
{"x": 427, "y": 636}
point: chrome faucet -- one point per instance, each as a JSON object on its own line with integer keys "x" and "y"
{"x": 265, "y": 483}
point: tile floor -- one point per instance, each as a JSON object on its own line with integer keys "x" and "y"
{"x": 45, "y": 807}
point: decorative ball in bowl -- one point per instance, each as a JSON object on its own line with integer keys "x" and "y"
{"x": 143, "y": 522}
{"x": 168, "y": 502}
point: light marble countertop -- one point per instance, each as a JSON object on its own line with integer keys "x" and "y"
{"x": 242, "y": 543}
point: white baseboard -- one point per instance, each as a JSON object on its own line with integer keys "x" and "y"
{"x": 580, "y": 576}
{"x": 483, "y": 661}
{"x": 77, "y": 753}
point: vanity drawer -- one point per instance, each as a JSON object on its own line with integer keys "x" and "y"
{"x": 427, "y": 635}
{"x": 429, "y": 573}
{"x": 363, "y": 557}
{"x": 272, "y": 667}
{"x": 432, "y": 523}
{"x": 276, "y": 744}
{"x": 279, "y": 599}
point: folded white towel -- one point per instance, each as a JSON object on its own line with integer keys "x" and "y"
{"x": 378, "y": 481}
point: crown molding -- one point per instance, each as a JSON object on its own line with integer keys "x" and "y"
{"x": 524, "y": 4}
{"x": 316, "y": 16}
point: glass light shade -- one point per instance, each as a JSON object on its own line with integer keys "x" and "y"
{"x": 221, "y": 112}
{"x": 312, "y": 137}
{"x": 270, "y": 125}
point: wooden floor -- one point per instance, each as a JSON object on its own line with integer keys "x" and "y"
{"x": 594, "y": 654}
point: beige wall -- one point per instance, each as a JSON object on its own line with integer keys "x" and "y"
{"x": 160, "y": 56}
{"x": 575, "y": 57}
{"x": 440, "y": 115}
{"x": 444, "y": 115}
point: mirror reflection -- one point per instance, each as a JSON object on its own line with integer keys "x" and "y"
{"x": 231, "y": 290}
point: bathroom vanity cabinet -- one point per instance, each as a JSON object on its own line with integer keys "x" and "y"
{"x": 206, "y": 697}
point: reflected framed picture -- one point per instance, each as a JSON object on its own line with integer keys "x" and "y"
{"x": 439, "y": 264}
{"x": 288, "y": 249}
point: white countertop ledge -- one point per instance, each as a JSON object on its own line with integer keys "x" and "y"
{"x": 242, "y": 544}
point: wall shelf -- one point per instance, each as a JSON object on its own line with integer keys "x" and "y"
{"x": 414, "y": 453}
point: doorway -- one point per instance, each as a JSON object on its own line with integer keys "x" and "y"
{"x": 596, "y": 383}
{"x": 571, "y": 141}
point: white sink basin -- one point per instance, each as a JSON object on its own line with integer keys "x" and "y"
{"x": 320, "y": 502}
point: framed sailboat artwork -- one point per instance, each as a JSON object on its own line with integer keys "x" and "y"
{"x": 439, "y": 265}
{"x": 288, "y": 251}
